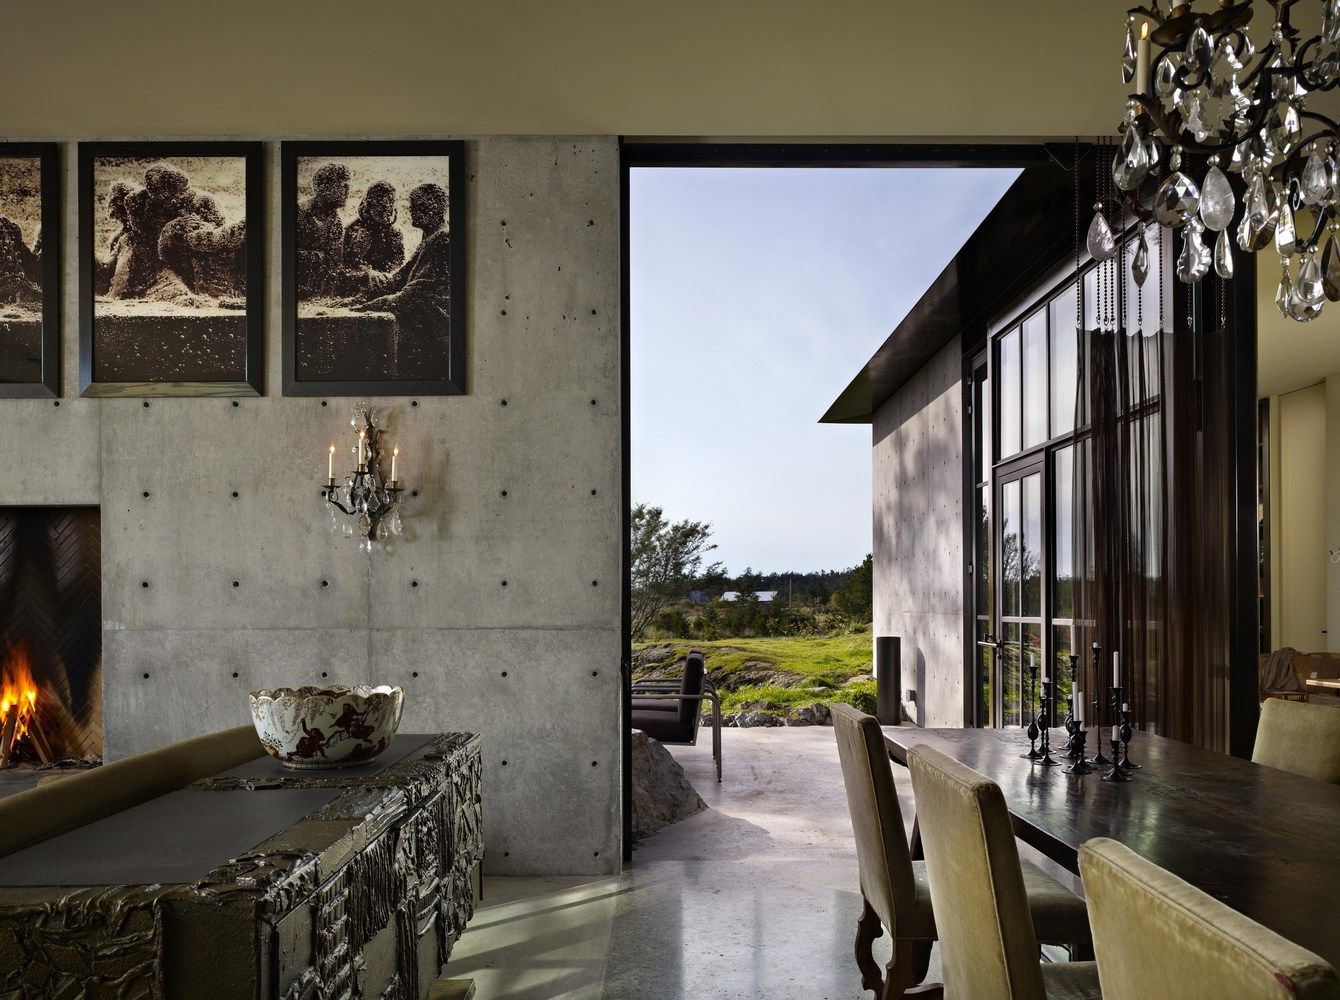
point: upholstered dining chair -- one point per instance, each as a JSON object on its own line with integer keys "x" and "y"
{"x": 894, "y": 887}
{"x": 1301, "y": 737}
{"x": 988, "y": 946}
{"x": 1158, "y": 936}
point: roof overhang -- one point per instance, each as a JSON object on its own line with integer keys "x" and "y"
{"x": 1023, "y": 239}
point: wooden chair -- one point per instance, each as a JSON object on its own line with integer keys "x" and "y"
{"x": 988, "y": 946}
{"x": 1302, "y": 737}
{"x": 894, "y": 886}
{"x": 1158, "y": 936}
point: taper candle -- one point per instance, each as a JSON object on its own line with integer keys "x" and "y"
{"x": 1142, "y": 60}
{"x": 1074, "y": 646}
{"x": 330, "y": 463}
{"x": 360, "y": 449}
{"x": 1116, "y": 668}
{"x": 394, "y": 452}
{"x": 1078, "y": 713}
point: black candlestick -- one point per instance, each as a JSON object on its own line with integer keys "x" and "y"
{"x": 1081, "y": 766}
{"x": 1098, "y": 759}
{"x": 1048, "y": 700}
{"x": 1033, "y": 753}
{"x": 1127, "y": 730}
{"x": 1071, "y": 726}
{"x": 1117, "y": 773}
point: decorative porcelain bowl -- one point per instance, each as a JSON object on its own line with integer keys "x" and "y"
{"x": 335, "y": 726}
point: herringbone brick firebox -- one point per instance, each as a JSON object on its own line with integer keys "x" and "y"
{"x": 50, "y": 633}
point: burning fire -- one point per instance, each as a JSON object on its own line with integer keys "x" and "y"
{"x": 18, "y": 698}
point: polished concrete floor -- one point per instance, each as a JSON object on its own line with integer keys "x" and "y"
{"x": 755, "y": 897}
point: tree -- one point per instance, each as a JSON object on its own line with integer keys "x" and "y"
{"x": 856, "y": 597}
{"x": 666, "y": 557}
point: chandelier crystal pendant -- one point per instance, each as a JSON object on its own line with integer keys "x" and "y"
{"x": 367, "y": 495}
{"x": 1204, "y": 92}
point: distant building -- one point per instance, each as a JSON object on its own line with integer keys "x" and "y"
{"x": 762, "y": 596}
{"x": 699, "y": 596}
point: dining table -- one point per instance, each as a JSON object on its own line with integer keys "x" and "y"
{"x": 1262, "y": 840}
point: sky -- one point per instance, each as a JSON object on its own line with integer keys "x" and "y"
{"x": 756, "y": 295}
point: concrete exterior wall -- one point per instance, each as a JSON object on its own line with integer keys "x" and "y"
{"x": 533, "y": 665}
{"x": 918, "y": 513}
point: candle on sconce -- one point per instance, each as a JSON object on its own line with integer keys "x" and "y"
{"x": 360, "y": 448}
{"x": 330, "y": 464}
{"x": 394, "y": 453}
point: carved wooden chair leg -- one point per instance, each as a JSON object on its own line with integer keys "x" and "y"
{"x": 907, "y": 970}
{"x": 868, "y": 927}
{"x": 921, "y": 959}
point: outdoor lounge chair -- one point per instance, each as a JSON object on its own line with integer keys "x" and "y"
{"x": 668, "y": 709}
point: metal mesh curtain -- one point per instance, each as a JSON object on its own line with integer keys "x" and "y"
{"x": 1151, "y": 521}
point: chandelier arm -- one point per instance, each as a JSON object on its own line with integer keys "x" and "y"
{"x": 1163, "y": 124}
{"x": 1312, "y": 242}
{"x": 1330, "y": 125}
{"x": 330, "y": 498}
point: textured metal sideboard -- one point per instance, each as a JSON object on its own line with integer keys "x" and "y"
{"x": 362, "y": 883}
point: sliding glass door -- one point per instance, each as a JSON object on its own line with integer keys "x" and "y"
{"x": 1020, "y": 554}
{"x": 1023, "y": 407}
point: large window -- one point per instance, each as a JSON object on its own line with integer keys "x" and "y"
{"x": 1024, "y": 392}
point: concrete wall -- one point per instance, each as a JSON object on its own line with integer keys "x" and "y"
{"x": 533, "y": 666}
{"x": 918, "y": 511}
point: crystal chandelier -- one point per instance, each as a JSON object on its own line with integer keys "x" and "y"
{"x": 1210, "y": 94}
{"x": 367, "y": 496}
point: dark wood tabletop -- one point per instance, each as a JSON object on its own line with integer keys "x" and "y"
{"x": 1264, "y": 841}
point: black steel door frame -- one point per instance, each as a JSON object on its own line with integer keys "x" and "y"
{"x": 634, "y": 153}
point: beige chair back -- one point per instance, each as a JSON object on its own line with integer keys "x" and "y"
{"x": 1301, "y": 737}
{"x": 876, "y": 816}
{"x": 987, "y": 943}
{"x": 1157, "y": 936}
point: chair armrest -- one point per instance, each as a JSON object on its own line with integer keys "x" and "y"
{"x": 684, "y": 697}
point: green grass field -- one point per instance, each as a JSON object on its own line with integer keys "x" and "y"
{"x": 814, "y": 668}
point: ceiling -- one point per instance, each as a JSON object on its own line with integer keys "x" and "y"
{"x": 969, "y": 68}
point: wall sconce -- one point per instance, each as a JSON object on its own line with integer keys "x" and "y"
{"x": 367, "y": 496}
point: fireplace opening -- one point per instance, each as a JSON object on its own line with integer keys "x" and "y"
{"x": 50, "y": 636}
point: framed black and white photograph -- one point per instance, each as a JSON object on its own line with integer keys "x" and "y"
{"x": 171, "y": 269}
{"x": 374, "y": 267}
{"x": 29, "y": 270}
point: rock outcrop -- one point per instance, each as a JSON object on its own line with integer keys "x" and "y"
{"x": 662, "y": 793}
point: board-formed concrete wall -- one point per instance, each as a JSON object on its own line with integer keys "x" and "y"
{"x": 220, "y": 575}
{"x": 918, "y": 512}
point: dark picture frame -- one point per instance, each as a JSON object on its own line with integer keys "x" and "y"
{"x": 248, "y": 380}
{"x": 451, "y": 383}
{"x": 47, "y": 385}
